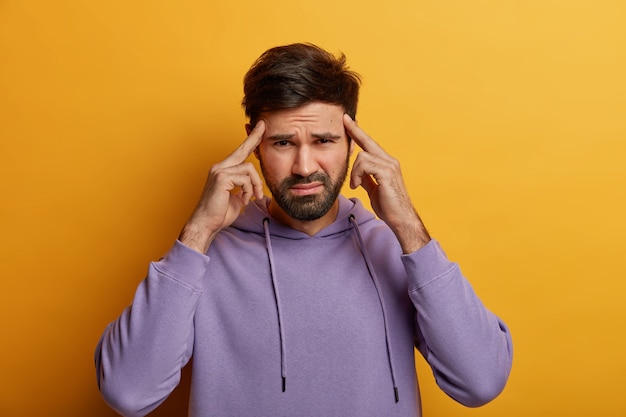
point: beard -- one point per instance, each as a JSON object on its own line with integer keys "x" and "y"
{"x": 308, "y": 207}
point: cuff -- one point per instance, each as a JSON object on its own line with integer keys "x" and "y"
{"x": 426, "y": 264}
{"x": 184, "y": 264}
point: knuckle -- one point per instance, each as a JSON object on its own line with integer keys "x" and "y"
{"x": 220, "y": 175}
{"x": 216, "y": 168}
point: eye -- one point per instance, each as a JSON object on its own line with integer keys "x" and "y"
{"x": 326, "y": 141}
{"x": 281, "y": 143}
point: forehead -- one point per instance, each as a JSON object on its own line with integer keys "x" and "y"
{"x": 314, "y": 116}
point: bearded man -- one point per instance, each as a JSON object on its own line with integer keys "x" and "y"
{"x": 303, "y": 303}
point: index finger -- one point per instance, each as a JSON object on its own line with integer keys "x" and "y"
{"x": 360, "y": 137}
{"x": 247, "y": 146}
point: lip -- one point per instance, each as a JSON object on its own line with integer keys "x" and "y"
{"x": 307, "y": 189}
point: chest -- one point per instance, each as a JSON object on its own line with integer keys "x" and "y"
{"x": 324, "y": 288}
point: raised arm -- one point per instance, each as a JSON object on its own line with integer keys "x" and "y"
{"x": 140, "y": 355}
{"x": 467, "y": 346}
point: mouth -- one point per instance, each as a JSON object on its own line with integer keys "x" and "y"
{"x": 307, "y": 188}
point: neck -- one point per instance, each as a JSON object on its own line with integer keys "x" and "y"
{"x": 310, "y": 227}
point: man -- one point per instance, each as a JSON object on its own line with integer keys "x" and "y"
{"x": 304, "y": 304}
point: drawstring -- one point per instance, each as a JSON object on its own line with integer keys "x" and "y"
{"x": 283, "y": 367}
{"x": 382, "y": 302}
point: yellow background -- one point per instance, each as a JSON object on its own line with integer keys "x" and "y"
{"x": 508, "y": 118}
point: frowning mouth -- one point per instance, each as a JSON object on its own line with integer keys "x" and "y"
{"x": 307, "y": 188}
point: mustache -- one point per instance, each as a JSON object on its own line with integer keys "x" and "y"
{"x": 298, "y": 179}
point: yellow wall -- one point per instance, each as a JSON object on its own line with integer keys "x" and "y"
{"x": 509, "y": 118}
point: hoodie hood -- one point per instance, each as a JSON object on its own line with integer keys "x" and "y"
{"x": 252, "y": 218}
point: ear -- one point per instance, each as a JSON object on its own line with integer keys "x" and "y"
{"x": 351, "y": 146}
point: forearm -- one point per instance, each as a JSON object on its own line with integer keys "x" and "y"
{"x": 140, "y": 355}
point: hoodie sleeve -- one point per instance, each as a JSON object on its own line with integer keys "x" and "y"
{"x": 140, "y": 355}
{"x": 468, "y": 348}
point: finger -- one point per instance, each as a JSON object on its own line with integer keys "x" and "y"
{"x": 360, "y": 137}
{"x": 359, "y": 172}
{"x": 248, "y": 179}
{"x": 368, "y": 184}
{"x": 257, "y": 183}
{"x": 247, "y": 192}
{"x": 240, "y": 183}
{"x": 360, "y": 178}
{"x": 254, "y": 185}
{"x": 247, "y": 146}
{"x": 229, "y": 178}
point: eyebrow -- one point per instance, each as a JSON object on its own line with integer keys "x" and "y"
{"x": 286, "y": 136}
{"x": 281, "y": 136}
{"x": 326, "y": 135}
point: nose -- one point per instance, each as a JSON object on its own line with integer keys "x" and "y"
{"x": 305, "y": 163}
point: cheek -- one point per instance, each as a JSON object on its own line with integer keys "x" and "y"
{"x": 336, "y": 163}
{"x": 272, "y": 164}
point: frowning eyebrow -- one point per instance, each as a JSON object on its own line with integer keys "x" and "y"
{"x": 287, "y": 136}
{"x": 281, "y": 136}
{"x": 326, "y": 135}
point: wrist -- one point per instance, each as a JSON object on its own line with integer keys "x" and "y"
{"x": 412, "y": 234}
{"x": 196, "y": 238}
{"x": 414, "y": 243}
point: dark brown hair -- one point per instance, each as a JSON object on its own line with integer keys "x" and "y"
{"x": 287, "y": 77}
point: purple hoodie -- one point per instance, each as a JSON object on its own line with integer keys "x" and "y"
{"x": 280, "y": 323}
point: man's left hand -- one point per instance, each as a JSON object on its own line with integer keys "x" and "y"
{"x": 380, "y": 175}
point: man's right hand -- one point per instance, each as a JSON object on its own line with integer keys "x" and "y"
{"x": 230, "y": 186}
